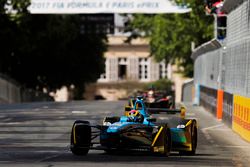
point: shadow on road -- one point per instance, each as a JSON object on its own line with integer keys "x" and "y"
{"x": 143, "y": 158}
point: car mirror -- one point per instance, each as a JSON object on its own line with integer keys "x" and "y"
{"x": 183, "y": 112}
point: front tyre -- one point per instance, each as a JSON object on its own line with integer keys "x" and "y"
{"x": 167, "y": 141}
{"x": 194, "y": 139}
{"x": 80, "y": 139}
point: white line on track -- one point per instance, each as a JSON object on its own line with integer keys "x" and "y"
{"x": 190, "y": 114}
{"x": 11, "y": 123}
{"x": 207, "y": 135}
{"x": 212, "y": 127}
{"x": 79, "y": 112}
{"x": 49, "y": 157}
{"x": 245, "y": 147}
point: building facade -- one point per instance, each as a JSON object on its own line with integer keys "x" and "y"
{"x": 132, "y": 62}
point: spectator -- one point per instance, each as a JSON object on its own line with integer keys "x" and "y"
{"x": 214, "y": 6}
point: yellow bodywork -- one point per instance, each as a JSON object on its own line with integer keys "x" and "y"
{"x": 158, "y": 142}
{"x": 74, "y": 133}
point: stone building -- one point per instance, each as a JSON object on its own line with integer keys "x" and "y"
{"x": 128, "y": 66}
{"x": 131, "y": 62}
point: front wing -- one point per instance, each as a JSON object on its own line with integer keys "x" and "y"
{"x": 184, "y": 136}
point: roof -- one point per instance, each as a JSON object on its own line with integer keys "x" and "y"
{"x": 206, "y": 47}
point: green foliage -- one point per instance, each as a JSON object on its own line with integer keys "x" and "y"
{"x": 171, "y": 35}
{"x": 48, "y": 50}
{"x": 162, "y": 84}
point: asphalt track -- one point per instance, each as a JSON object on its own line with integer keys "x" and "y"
{"x": 37, "y": 135}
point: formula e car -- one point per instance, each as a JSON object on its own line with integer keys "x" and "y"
{"x": 138, "y": 131}
{"x": 160, "y": 102}
{"x": 158, "y": 99}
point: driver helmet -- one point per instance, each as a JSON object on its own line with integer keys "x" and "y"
{"x": 150, "y": 93}
{"x": 134, "y": 113}
{"x": 135, "y": 116}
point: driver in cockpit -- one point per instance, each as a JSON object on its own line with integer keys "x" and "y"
{"x": 135, "y": 116}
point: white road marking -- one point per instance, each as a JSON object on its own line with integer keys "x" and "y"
{"x": 190, "y": 114}
{"x": 163, "y": 118}
{"x": 107, "y": 112}
{"x": 223, "y": 129}
{"x": 245, "y": 147}
{"x": 49, "y": 157}
{"x": 212, "y": 127}
{"x": 79, "y": 112}
{"x": 7, "y": 119}
{"x": 207, "y": 135}
{"x": 11, "y": 123}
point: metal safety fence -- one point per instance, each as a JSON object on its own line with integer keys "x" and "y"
{"x": 207, "y": 67}
{"x": 227, "y": 108}
{"x": 222, "y": 75}
{"x": 228, "y": 67}
{"x": 236, "y": 61}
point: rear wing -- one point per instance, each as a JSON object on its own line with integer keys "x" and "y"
{"x": 181, "y": 111}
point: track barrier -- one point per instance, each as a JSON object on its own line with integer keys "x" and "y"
{"x": 241, "y": 116}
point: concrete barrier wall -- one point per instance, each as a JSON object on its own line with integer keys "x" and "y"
{"x": 227, "y": 110}
{"x": 188, "y": 91}
{"x": 9, "y": 92}
{"x": 208, "y": 99}
{"x": 241, "y": 116}
{"x": 232, "y": 109}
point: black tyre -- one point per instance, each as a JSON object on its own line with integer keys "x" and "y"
{"x": 110, "y": 151}
{"x": 164, "y": 104}
{"x": 80, "y": 140}
{"x": 194, "y": 139}
{"x": 167, "y": 141}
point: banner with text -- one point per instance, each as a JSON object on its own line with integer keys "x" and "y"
{"x": 104, "y": 6}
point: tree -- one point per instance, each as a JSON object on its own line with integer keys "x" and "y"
{"x": 9, "y": 30}
{"x": 49, "y": 51}
{"x": 171, "y": 35}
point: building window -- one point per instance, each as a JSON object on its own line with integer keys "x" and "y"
{"x": 162, "y": 70}
{"x": 143, "y": 69}
{"x": 103, "y": 76}
{"x": 122, "y": 68}
{"x": 140, "y": 71}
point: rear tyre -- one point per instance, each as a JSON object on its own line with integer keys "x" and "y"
{"x": 80, "y": 139}
{"x": 109, "y": 151}
{"x": 164, "y": 104}
{"x": 194, "y": 140}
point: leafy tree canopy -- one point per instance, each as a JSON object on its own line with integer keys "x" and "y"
{"x": 171, "y": 35}
{"x": 48, "y": 50}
